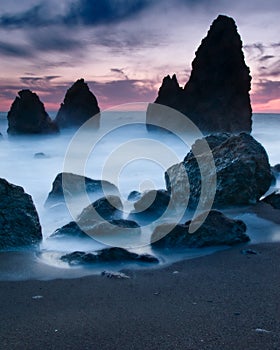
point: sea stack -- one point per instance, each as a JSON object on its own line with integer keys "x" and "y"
{"x": 216, "y": 97}
{"x": 79, "y": 105}
{"x": 27, "y": 115}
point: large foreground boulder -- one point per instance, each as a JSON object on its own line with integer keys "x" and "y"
{"x": 216, "y": 97}
{"x": 107, "y": 255}
{"x": 79, "y": 105}
{"x": 70, "y": 186}
{"x": 216, "y": 230}
{"x": 28, "y": 116}
{"x": 242, "y": 172}
{"x": 19, "y": 221}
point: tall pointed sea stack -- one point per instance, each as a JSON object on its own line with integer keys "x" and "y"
{"x": 216, "y": 97}
{"x": 27, "y": 115}
{"x": 79, "y": 105}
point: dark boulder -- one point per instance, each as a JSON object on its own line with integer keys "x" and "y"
{"x": 134, "y": 196}
{"x": 27, "y": 115}
{"x": 153, "y": 202}
{"x": 273, "y": 199}
{"x": 97, "y": 230}
{"x": 70, "y": 230}
{"x": 216, "y": 97}
{"x": 79, "y": 105}
{"x": 216, "y": 230}
{"x": 241, "y": 169}
{"x": 40, "y": 155}
{"x": 276, "y": 168}
{"x": 70, "y": 186}
{"x": 105, "y": 208}
{"x": 19, "y": 221}
{"x": 107, "y": 255}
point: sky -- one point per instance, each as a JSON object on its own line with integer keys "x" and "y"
{"x": 124, "y": 48}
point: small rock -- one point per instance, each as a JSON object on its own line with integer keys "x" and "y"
{"x": 249, "y": 252}
{"x": 35, "y": 297}
{"x": 261, "y": 330}
{"x": 113, "y": 274}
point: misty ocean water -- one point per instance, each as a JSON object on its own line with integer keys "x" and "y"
{"x": 150, "y": 154}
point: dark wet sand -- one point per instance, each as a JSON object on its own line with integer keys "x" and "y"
{"x": 214, "y": 302}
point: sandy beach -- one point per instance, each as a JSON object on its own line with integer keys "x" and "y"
{"x": 227, "y": 300}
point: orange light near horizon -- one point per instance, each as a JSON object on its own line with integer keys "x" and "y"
{"x": 270, "y": 107}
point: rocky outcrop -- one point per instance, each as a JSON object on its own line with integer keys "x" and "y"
{"x": 273, "y": 199}
{"x": 19, "y": 221}
{"x": 105, "y": 208}
{"x": 107, "y": 255}
{"x": 79, "y": 105}
{"x": 216, "y": 230}
{"x": 70, "y": 186}
{"x": 97, "y": 230}
{"x": 154, "y": 202}
{"x": 241, "y": 169}
{"x": 216, "y": 97}
{"x": 28, "y": 116}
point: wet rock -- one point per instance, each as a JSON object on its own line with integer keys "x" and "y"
{"x": 273, "y": 199}
{"x": 105, "y": 208}
{"x": 40, "y": 155}
{"x": 114, "y": 275}
{"x": 153, "y": 202}
{"x": 71, "y": 186}
{"x": 241, "y": 167}
{"x": 216, "y": 97}
{"x": 19, "y": 221}
{"x": 79, "y": 106}
{"x": 249, "y": 252}
{"x": 27, "y": 115}
{"x": 107, "y": 255}
{"x": 70, "y": 230}
{"x": 134, "y": 196}
{"x": 216, "y": 230}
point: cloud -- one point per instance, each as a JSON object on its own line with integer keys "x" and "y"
{"x": 36, "y": 16}
{"x": 266, "y": 58}
{"x": 56, "y": 39}
{"x": 119, "y": 72}
{"x": 14, "y": 50}
{"x": 266, "y": 91}
{"x": 34, "y": 81}
{"x": 117, "y": 92}
{"x": 95, "y": 12}
{"x": 80, "y": 12}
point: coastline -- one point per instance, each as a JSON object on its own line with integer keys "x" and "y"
{"x": 226, "y": 300}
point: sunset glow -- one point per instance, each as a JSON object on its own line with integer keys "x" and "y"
{"x": 123, "y": 49}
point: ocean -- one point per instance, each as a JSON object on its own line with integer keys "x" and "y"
{"x": 125, "y": 153}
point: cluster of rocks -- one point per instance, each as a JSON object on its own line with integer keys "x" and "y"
{"x": 232, "y": 170}
{"x": 216, "y": 97}
{"x": 243, "y": 175}
{"x": 27, "y": 114}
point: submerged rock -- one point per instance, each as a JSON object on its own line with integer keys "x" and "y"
{"x": 19, "y": 221}
{"x": 79, "y": 105}
{"x": 216, "y": 97}
{"x": 216, "y": 230}
{"x": 107, "y": 255}
{"x": 273, "y": 199}
{"x": 71, "y": 186}
{"x": 242, "y": 171}
{"x": 27, "y": 115}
